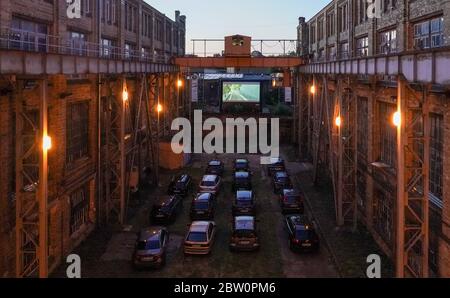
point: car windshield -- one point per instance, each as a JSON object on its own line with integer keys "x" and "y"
{"x": 208, "y": 183}
{"x": 201, "y": 205}
{"x": 197, "y": 237}
{"x": 303, "y": 234}
{"x": 146, "y": 245}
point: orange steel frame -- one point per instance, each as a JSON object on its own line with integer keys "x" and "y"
{"x": 251, "y": 62}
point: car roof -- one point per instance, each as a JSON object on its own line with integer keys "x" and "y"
{"x": 153, "y": 233}
{"x": 281, "y": 174}
{"x": 215, "y": 163}
{"x": 199, "y": 226}
{"x": 203, "y": 196}
{"x": 210, "y": 178}
{"x": 244, "y": 223}
{"x": 244, "y": 194}
{"x": 290, "y": 192}
{"x": 242, "y": 174}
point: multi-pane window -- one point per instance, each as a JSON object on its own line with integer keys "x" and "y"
{"x": 131, "y": 16}
{"x": 343, "y": 17}
{"x": 147, "y": 25}
{"x": 312, "y": 33}
{"x": 77, "y": 131}
{"x": 361, "y": 11}
{"x": 28, "y": 35}
{"x": 388, "y": 134}
{"x": 168, "y": 33}
{"x": 330, "y": 24}
{"x": 344, "y": 50}
{"x": 159, "y": 30}
{"x": 77, "y": 43}
{"x": 130, "y": 51}
{"x": 362, "y": 47}
{"x": 107, "y": 47}
{"x": 320, "y": 26}
{"x": 86, "y": 8}
{"x": 429, "y": 34}
{"x": 388, "y": 42}
{"x": 331, "y": 53}
{"x": 436, "y": 155}
{"x": 79, "y": 211}
{"x": 109, "y": 11}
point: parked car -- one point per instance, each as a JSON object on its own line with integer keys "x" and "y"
{"x": 291, "y": 202}
{"x": 242, "y": 181}
{"x": 244, "y": 203}
{"x": 180, "y": 185}
{"x": 200, "y": 238}
{"x": 280, "y": 181}
{"x": 215, "y": 167}
{"x": 210, "y": 183}
{"x": 276, "y": 165}
{"x": 302, "y": 234}
{"x": 244, "y": 235}
{"x": 151, "y": 248}
{"x": 165, "y": 209}
{"x": 241, "y": 165}
{"x": 203, "y": 206}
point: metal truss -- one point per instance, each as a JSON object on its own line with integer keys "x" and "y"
{"x": 31, "y": 184}
{"x": 413, "y": 184}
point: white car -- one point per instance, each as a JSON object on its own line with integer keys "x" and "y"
{"x": 211, "y": 184}
{"x": 200, "y": 238}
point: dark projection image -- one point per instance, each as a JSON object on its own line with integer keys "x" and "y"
{"x": 241, "y": 92}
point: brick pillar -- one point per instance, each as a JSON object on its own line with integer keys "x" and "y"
{"x": 446, "y": 9}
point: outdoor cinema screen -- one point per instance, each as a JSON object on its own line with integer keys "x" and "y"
{"x": 248, "y": 92}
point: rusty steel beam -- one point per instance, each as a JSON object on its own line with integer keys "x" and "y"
{"x": 224, "y": 62}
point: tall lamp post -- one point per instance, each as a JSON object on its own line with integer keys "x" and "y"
{"x": 159, "y": 110}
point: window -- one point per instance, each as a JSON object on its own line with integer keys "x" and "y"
{"x": 330, "y": 24}
{"x": 429, "y": 34}
{"x": 77, "y": 43}
{"x": 362, "y": 47}
{"x": 147, "y": 25}
{"x": 77, "y": 131}
{"x": 343, "y": 51}
{"x": 312, "y": 32}
{"x": 159, "y": 30}
{"x": 320, "y": 25}
{"x": 28, "y": 35}
{"x": 436, "y": 155}
{"x": 331, "y": 53}
{"x": 86, "y": 8}
{"x": 107, "y": 48}
{"x": 79, "y": 212}
{"x": 388, "y": 134}
{"x": 131, "y": 17}
{"x": 343, "y": 17}
{"x": 168, "y": 33}
{"x": 130, "y": 51}
{"x": 388, "y": 42}
{"x": 361, "y": 11}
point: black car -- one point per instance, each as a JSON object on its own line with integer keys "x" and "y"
{"x": 244, "y": 236}
{"x": 180, "y": 185}
{"x": 203, "y": 206}
{"x": 241, "y": 165}
{"x": 280, "y": 181}
{"x": 276, "y": 165}
{"x": 215, "y": 167}
{"x": 302, "y": 234}
{"x": 242, "y": 181}
{"x": 165, "y": 209}
{"x": 151, "y": 248}
{"x": 291, "y": 202}
{"x": 244, "y": 203}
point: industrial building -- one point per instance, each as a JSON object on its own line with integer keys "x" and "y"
{"x": 374, "y": 117}
{"x": 91, "y": 89}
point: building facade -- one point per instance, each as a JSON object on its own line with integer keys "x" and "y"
{"x": 81, "y": 112}
{"x": 345, "y": 30}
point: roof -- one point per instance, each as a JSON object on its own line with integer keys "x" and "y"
{"x": 241, "y": 174}
{"x": 209, "y": 178}
{"x": 290, "y": 192}
{"x": 244, "y": 223}
{"x": 244, "y": 194}
{"x": 199, "y": 226}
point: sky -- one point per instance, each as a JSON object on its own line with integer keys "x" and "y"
{"x": 260, "y": 19}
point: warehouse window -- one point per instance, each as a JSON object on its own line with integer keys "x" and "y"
{"x": 388, "y": 42}
{"x": 388, "y": 134}
{"x": 429, "y": 34}
{"x": 79, "y": 212}
{"x": 28, "y": 35}
{"x": 436, "y": 155}
{"x": 77, "y": 131}
{"x": 362, "y": 47}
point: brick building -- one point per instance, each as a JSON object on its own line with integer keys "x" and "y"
{"x": 114, "y": 30}
{"x": 342, "y": 31}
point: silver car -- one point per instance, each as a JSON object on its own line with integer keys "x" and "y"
{"x": 211, "y": 184}
{"x": 200, "y": 238}
{"x": 151, "y": 248}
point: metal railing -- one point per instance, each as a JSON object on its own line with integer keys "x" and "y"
{"x": 14, "y": 39}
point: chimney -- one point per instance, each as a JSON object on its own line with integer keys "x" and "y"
{"x": 177, "y": 15}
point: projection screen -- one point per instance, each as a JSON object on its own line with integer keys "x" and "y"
{"x": 248, "y": 92}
